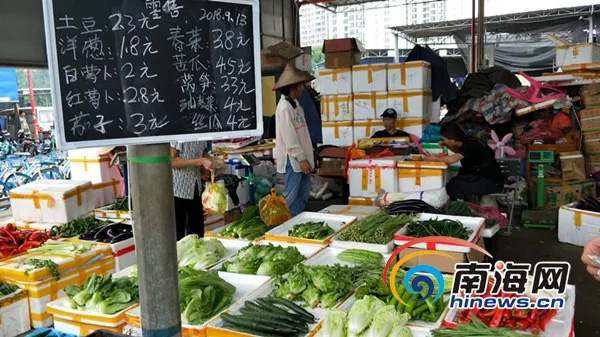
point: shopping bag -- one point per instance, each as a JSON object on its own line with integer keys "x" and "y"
{"x": 273, "y": 209}
{"x": 214, "y": 197}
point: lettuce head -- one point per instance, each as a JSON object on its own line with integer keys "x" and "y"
{"x": 362, "y": 312}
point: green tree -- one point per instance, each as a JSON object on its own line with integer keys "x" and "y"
{"x": 317, "y": 55}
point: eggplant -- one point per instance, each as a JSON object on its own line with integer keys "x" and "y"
{"x": 102, "y": 233}
{"x": 121, "y": 237}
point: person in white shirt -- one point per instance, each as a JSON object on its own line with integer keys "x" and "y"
{"x": 293, "y": 147}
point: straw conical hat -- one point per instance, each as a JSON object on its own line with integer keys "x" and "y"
{"x": 291, "y": 75}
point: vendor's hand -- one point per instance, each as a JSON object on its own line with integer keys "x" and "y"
{"x": 592, "y": 248}
{"x": 305, "y": 167}
{"x": 210, "y": 163}
{"x": 430, "y": 158}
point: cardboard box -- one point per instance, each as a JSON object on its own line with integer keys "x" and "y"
{"x": 331, "y": 167}
{"x": 304, "y": 61}
{"x": 334, "y": 81}
{"x": 338, "y": 133}
{"x": 409, "y": 76}
{"x": 342, "y": 53}
{"x": 335, "y": 108}
{"x": 591, "y": 89}
{"x": 279, "y": 55}
{"x": 369, "y": 77}
{"x": 572, "y": 165}
{"x": 591, "y": 143}
{"x": 445, "y": 265}
{"x": 369, "y": 105}
{"x": 577, "y": 54}
{"x": 590, "y": 100}
{"x": 566, "y": 192}
{"x": 411, "y": 103}
{"x": 576, "y": 226}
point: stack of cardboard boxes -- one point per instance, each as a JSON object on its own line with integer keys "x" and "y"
{"x": 353, "y": 96}
{"x": 590, "y": 126}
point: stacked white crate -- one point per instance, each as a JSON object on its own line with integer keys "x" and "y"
{"x": 369, "y": 83}
{"x": 335, "y": 86}
{"x": 87, "y": 164}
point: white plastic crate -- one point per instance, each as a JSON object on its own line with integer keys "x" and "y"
{"x": 54, "y": 201}
{"x": 14, "y": 314}
{"x": 374, "y": 247}
{"x": 353, "y": 210}
{"x": 576, "y": 226}
{"x": 369, "y": 77}
{"x": 409, "y": 76}
{"x": 107, "y": 213}
{"x": 421, "y": 176}
{"x": 337, "y": 108}
{"x": 334, "y": 81}
{"x": 106, "y": 192}
{"x": 577, "y": 54}
{"x": 86, "y": 164}
{"x": 369, "y": 105}
{"x": 476, "y": 225}
{"x": 338, "y": 133}
{"x": 367, "y": 176}
{"x": 411, "y": 103}
{"x": 328, "y": 257}
{"x": 336, "y": 222}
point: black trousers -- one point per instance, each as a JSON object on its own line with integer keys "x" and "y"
{"x": 189, "y": 215}
{"x": 464, "y": 186}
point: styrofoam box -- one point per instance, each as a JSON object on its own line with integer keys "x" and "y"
{"x": 369, "y": 77}
{"x": 106, "y": 213}
{"x": 336, "y": 222}
{"x": 328, "y": 257}
{"x": 409, "y": 76}
{"x": 337, "y": 108}
{"x": 86, "y": 164}
{"x": 436, "y": 110}
{"x": 215, "y": 327}
{"x": 306, "y": 250}
{"x": 374, "y": 247}
{"x": 411, "y": 103}
{"x": 357, "y": 211}
{"x": 366, "y": 128}
{"x": 334, "y": 81}
{"x": 14, "y": 314}
{"x": 244, "y": 286}
{"x": 417, "y": 328}
{"x": 476, "y": 225}
{"x": 562, "y": 325}
{"x": 106, "y": 192}
{"x": 421, "y": 176}
{"x": 73, "y": 328}
{"x": 56, "y": 199}
{"x": 124, "y": 253}
{"x": 338, "y": 133}
{"x": 577, "y": 54}
{"x": 367, "y": 176}
{"x": 369, "y": 105}
{"x": 576, "y": 226}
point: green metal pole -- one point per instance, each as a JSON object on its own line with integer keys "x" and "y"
{"x": 540, "y": 186}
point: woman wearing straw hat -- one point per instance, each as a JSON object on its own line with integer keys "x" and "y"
{"x": 293, "y": 148}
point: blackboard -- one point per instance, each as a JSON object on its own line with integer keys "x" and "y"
{"x": 148, "y": 71}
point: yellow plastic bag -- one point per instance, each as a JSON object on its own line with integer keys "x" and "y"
{"x": 214, "y": 197}
{"x": 273, "y": 209}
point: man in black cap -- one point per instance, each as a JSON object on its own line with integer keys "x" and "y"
{"x": 389, "y": 122}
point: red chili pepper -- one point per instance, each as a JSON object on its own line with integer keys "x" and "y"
{"x": 507, "y": 314}
{"x": 34, "y": 236}
{"x": 546, "y": 318}
{"x": 487, "y": 313}
{"x": 533, "y": 315}
{"x": 485, "y": 320}
{"x": 30, "y": 244}
{"x": 495, "y": 322}
{"x": 522, "y": 324}
{"x": 510, "y": 323}
{"x": 520, "y": 313}
{"x": 9, "y": 235}
{"x": 535, "y": 328}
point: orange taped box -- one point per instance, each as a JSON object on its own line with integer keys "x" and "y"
{"x": 414, "y": 75}
{"x": 369, "y": 78}
{"x": 87, "y": 164}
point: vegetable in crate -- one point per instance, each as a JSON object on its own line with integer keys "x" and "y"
{"x": 64, "y": 247}
{"x": 77, "y": 227}
{"x": 459, "y": 208}
{"x": 269, "y": 316}
{"x": 267, "y": 260}
{"x": 103, "y": 294}
{"x": 475, "y": 328}
{"x": 311, "y": 230}
{"x": 198, "y": 252}
{"x": 14, "y": 241}
{"x": 121, "y": 204}
{"x": 378, "y": 228}
{"x": 7, "y": 288}
{"x": 438, "y": 227}
{"x": 588, "y": 204}
{"x": 410, "y": 206}
{"x": 112, "y": 233}
{"x": 41, "y": 263}
{"x": 361, "y": 257}
{"x": 202, "y": 295}
{"x": 248, "y": 227}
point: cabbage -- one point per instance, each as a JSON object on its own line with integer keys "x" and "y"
{"x": 214, "y": 198}
{"x": 199, "y": 253}
{"x": 362, "y": 312}
{"x": 272, "y": 268}
{"x": 334, "y": 324}
{"x": 400, "y": 331}
{"x": 383, "y": 322}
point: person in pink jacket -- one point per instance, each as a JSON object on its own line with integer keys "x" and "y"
{"x": 293, "y": 147}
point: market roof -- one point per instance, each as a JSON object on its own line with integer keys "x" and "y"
{"x": 336, "y": 3}
{"x": 507, "y": 23}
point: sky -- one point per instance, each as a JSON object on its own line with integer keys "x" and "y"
{"x": 498, "y": 7}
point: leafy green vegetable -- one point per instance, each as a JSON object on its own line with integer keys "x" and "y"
{"x": 378, "y": 228}
{"x": 199, "y": 253}
{"x": 362, "y": 312}
{"x": 438, "y": 227}
{"x": 311, "y": 230}
{"x": 400, "y": 331}
{"x": 63, "y": 248}
{"x": 384, "y": 321}
{"x": 248, "y": 227}
{"x": 121, "y": 204}
{"x": 475, "y": 328}
{"x": 103, "y": 294}
{"x": 7, "y": 288}
{"x": 40, "y": 263}
{"x": 77, "y": 227}
{"x": 202, "y": 295}
{"x": 334, "y": 324}
{"x": 266, "y": 260}
{"x": 359, "y": 256}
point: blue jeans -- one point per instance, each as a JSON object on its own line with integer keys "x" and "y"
{"x": 297, "y": 189}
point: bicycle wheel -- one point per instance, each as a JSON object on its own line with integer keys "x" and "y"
{"x": 17, "y": 179}
{"x": 51, "y": 173}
